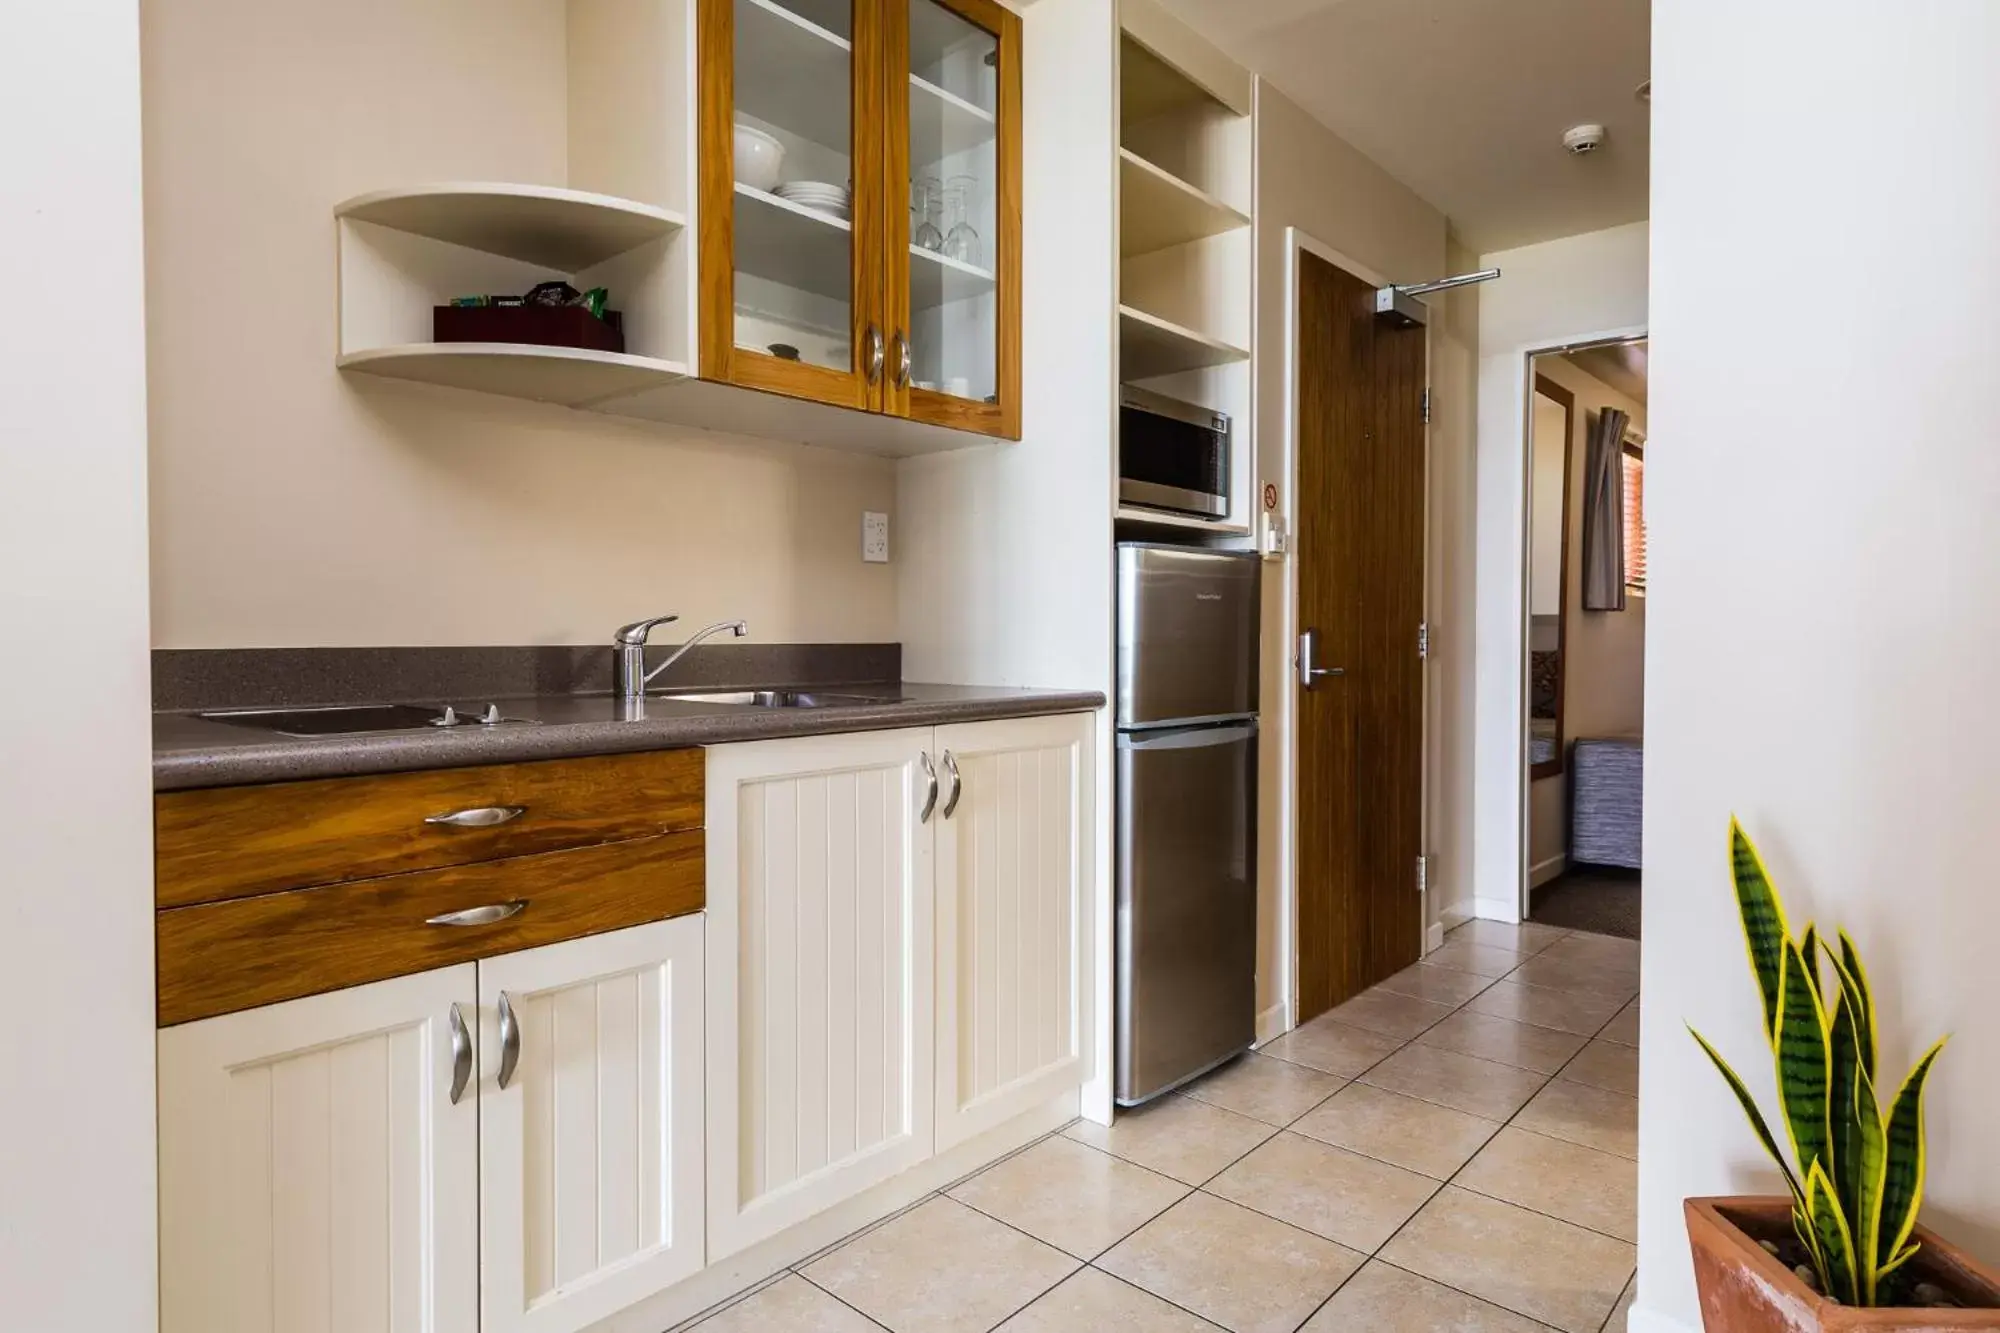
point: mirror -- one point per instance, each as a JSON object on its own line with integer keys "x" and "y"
{"x": 1548, "y": 573}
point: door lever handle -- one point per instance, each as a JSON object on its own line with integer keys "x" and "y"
{"x": 1308, "y": 673}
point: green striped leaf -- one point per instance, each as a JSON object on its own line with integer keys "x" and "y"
{"x": 1836, "y": 1242}
{"x": 1843, "y": 1128}
{"x": 1764, "y": 930}
{"x": 1855, "y": 975}
{"x": 1749, "y": 1105}
{"x": 1903, "y": 1178}
{"x": 1868, "y": 1168}
{"x": 1809, "y": 945}
{"x": 1805, "y": 1066}
{"x": 1903, "y": 1256}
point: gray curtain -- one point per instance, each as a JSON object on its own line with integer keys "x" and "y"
{"x": 1604, "y": 514}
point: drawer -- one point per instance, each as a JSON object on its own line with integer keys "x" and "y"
{"x": 233, "y": 842}
{"x": 217, "y": 958}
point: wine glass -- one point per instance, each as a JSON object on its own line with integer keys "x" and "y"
{"x": 961, "y": 241}
{"x": 925, "y": 199}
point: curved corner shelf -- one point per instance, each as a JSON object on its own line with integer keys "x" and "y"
{"x": 1158, "y": 209}
{"x": 1150, "y": 346}
{"x": 571, "y": 376}
{"x": 545, "y": 225}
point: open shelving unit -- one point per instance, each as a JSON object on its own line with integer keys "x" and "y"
{"x": 1150, "y": 347}
{"x": 1159, "y": 210}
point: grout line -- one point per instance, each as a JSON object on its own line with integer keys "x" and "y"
{"x": 1123, "y": 1282}
{"x": 835, "y": 1298}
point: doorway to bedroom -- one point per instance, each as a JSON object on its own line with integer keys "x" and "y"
{"x": 1586, "y": 637}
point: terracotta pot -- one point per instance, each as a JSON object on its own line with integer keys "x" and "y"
{"x": 1745, "y": 1290}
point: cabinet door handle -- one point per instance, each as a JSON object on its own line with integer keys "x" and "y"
{"x": 479, "y": 916}
{"x": 930, "y": 801}
{"x": 1308, "y": 673}
{"x": 510, "y": 1040}
{"x": 461, "y": 1054}
{"x": 485, "y": 816}
{"x": 957, "y": 783}
{"x": 872, "y": 353}
{"x": 903, "y": 360}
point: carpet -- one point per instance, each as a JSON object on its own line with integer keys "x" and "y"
{"x": 1602, "y": 900}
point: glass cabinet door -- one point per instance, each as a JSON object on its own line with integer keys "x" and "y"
{"x": 954, "y": 214}
{"x": 791, "y": 171}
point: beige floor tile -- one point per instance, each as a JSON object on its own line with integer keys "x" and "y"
{"x": 1382, "y": 1299}
{"x": 1565, "y": 1011}
{"x": 1074, "y": 1197}
{"x": 1243, "y": 1270}
{"x": 1582, "y": 946}
{"x": 1465, "y": 956}
{"x": 1624, "y": 1029}
{"x": 1403, "y": 1131}
{"x": 1581, "y": 1185}
{"x": 1274, "y": 1091}
{"x": 940, "y": 1268}
{"x": 1391, "y": 1014}
{"x": 1329, "y": 1191}
{"x": 1621, "y": 1314}
{"x": 1484, "y": 1088}
{"x": 1528, "y": 937}
{"x": 790, "y": 1303}
{"x": 1439, "y": 985}
{"x": 1331, "y": 1047}
{"x": 1606, "y": 1064}
{"x": 1594, "y": 1117}
{"x": 1522, "y": 1045}
{"x": 1553, "y": 1271}
{"x": 1093, "y": 1302}
{"x": 1565, "y": 974}
{"x": 1175, "y": 1136}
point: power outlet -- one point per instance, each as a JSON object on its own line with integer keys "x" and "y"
{"x": 875, "y": 538}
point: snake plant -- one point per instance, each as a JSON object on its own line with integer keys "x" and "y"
{"x": 1856, "y": 1173}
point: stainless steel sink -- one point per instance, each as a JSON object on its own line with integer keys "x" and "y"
{"x": 777, "y": 699}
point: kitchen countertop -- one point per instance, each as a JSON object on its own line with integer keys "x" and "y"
{"x": 190, "y": 752}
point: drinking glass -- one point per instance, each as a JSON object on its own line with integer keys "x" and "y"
{"x": 961, "y": 241}
{"x": 926, "y": 202}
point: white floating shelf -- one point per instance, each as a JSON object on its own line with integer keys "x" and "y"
{"x": 943, "y": 124}
{"x": 794, "y": 74}
{"x": 1158, "y": 209}
{"x": 554, "y": 228}
{"x": 571, "y": 376}
{"x": 936, "y": 279}
{"x": 795, "y": 246}
{"x": 1150, "y": 346}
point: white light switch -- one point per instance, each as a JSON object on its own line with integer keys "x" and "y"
{"x": 875, "y": 538}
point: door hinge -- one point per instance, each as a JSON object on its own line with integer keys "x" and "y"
{"x": 1423, "y": 875}
{"x": 1427, "y": 405}
{"x": 1424, "y": 639}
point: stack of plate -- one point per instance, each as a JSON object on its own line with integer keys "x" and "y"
{"x": 816, "y": 195}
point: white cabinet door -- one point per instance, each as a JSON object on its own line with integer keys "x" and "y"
{"x": 315, "y": 1175}
{"x": 1013, "y": 855}
{"x": 819, "y": 965}
{"x": 590, "y": 1158}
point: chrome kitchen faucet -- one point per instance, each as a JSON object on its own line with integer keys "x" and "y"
{"x": 629, "y": 645}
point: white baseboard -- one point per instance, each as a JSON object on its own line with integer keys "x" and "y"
{"x": 1497, "y": 909}
{"x": 1542, "y": 872}
{"x": 1652, "y": 1321}
{"x": 1434, "y": 937}
{"x": 1274, "y": 1022}
{"x": 1456, "y": 914}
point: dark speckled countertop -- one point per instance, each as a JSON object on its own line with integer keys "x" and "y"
{"x": 189, "y": 751}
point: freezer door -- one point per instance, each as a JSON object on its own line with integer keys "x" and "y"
{"x": 1187, "y": 904}
{"x": 1187, "y": 635}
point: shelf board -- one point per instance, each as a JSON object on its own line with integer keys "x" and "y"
{"x": 943, "y": 124}
{"x": 572, "y": 376}
{"x": 1158, "y": 209}
{"x": 566, "y": 230}
{"x": 1161, "y": 519}
{"x": 936, "y": 279}
{"x": 1150, "y": 346}
{"x": 794, "y": 74}
{"x": 797, "y": 247}
{"x": 1148, "y": 86}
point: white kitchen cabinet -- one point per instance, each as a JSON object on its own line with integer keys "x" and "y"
{"x": 820, "y": 1002}
{"x": 1013, "y": 862}
{"x": 316, "y": 1175}
{"x": 590, "y": 1157}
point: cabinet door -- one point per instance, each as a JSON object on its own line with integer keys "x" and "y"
{"x": 792, "y": 197}
{"x": 1014, "y": 864}
{"x": 315, "y": 1173}
{"x": 590, "y": 1157}
{"x": 954, "y": 215}
{"x": 819, "y": 967}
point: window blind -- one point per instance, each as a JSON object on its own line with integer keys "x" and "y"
{"x": 1635, "y": 518}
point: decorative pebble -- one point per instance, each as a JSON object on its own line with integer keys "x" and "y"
{"x": 1806, "y": 1275}
{"x": 1931, "y": 1294}
{"x": 1770, "y": 1247}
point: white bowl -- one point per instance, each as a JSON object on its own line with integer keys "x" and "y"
{"x": 759, "y": 158}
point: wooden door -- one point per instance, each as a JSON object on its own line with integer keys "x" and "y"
{"x": 590, "y": 1158}
{"x": 1013, "y": 856}
{"x": 1361, "y": 597}
{"x": 315, "y": 1171}
{"x": 820, "y": 1001}
{"x": 953, "y": 214}
{"x": 792, "y": 289}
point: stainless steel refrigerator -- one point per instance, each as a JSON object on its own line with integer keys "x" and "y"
{"x": 1187, "y": 813}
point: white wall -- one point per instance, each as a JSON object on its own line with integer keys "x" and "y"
{"x": 1557, "y": 292}
{"x": 295, "y": 505}
{"x": 76, "y": 887}
{"x": 1823, "y": 619}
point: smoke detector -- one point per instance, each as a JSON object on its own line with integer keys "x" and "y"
{"x": 1582, "y": 139}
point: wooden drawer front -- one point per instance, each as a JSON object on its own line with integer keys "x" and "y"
{"x": 221, "y": 957}
{"x": 232, "y": 842}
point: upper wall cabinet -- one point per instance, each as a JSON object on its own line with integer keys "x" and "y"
{"x": 860, "y": 201}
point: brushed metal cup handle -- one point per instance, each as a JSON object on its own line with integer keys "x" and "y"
{"x": 484, "y": 816}
{"x": 461, "y": 1054}
{"x": 957, "y": 783}
{"x": 874, "y": 354}
{"x": 904, "y": 360}
{"x": 479, "y": 916}
{"x": 510, "y": 1040}
{"x": 930, "y": 801}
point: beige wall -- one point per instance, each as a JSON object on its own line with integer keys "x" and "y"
{"x": 295, "y": 505}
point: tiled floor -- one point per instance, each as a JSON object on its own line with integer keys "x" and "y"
{"x": 1453, "y": 1150}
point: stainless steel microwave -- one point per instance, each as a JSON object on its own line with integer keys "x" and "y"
{"x": 1172, "y": 455}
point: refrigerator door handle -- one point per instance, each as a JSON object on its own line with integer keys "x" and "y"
{"x": 1308, "y": 673}
{"x": 1192, "y": 738}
